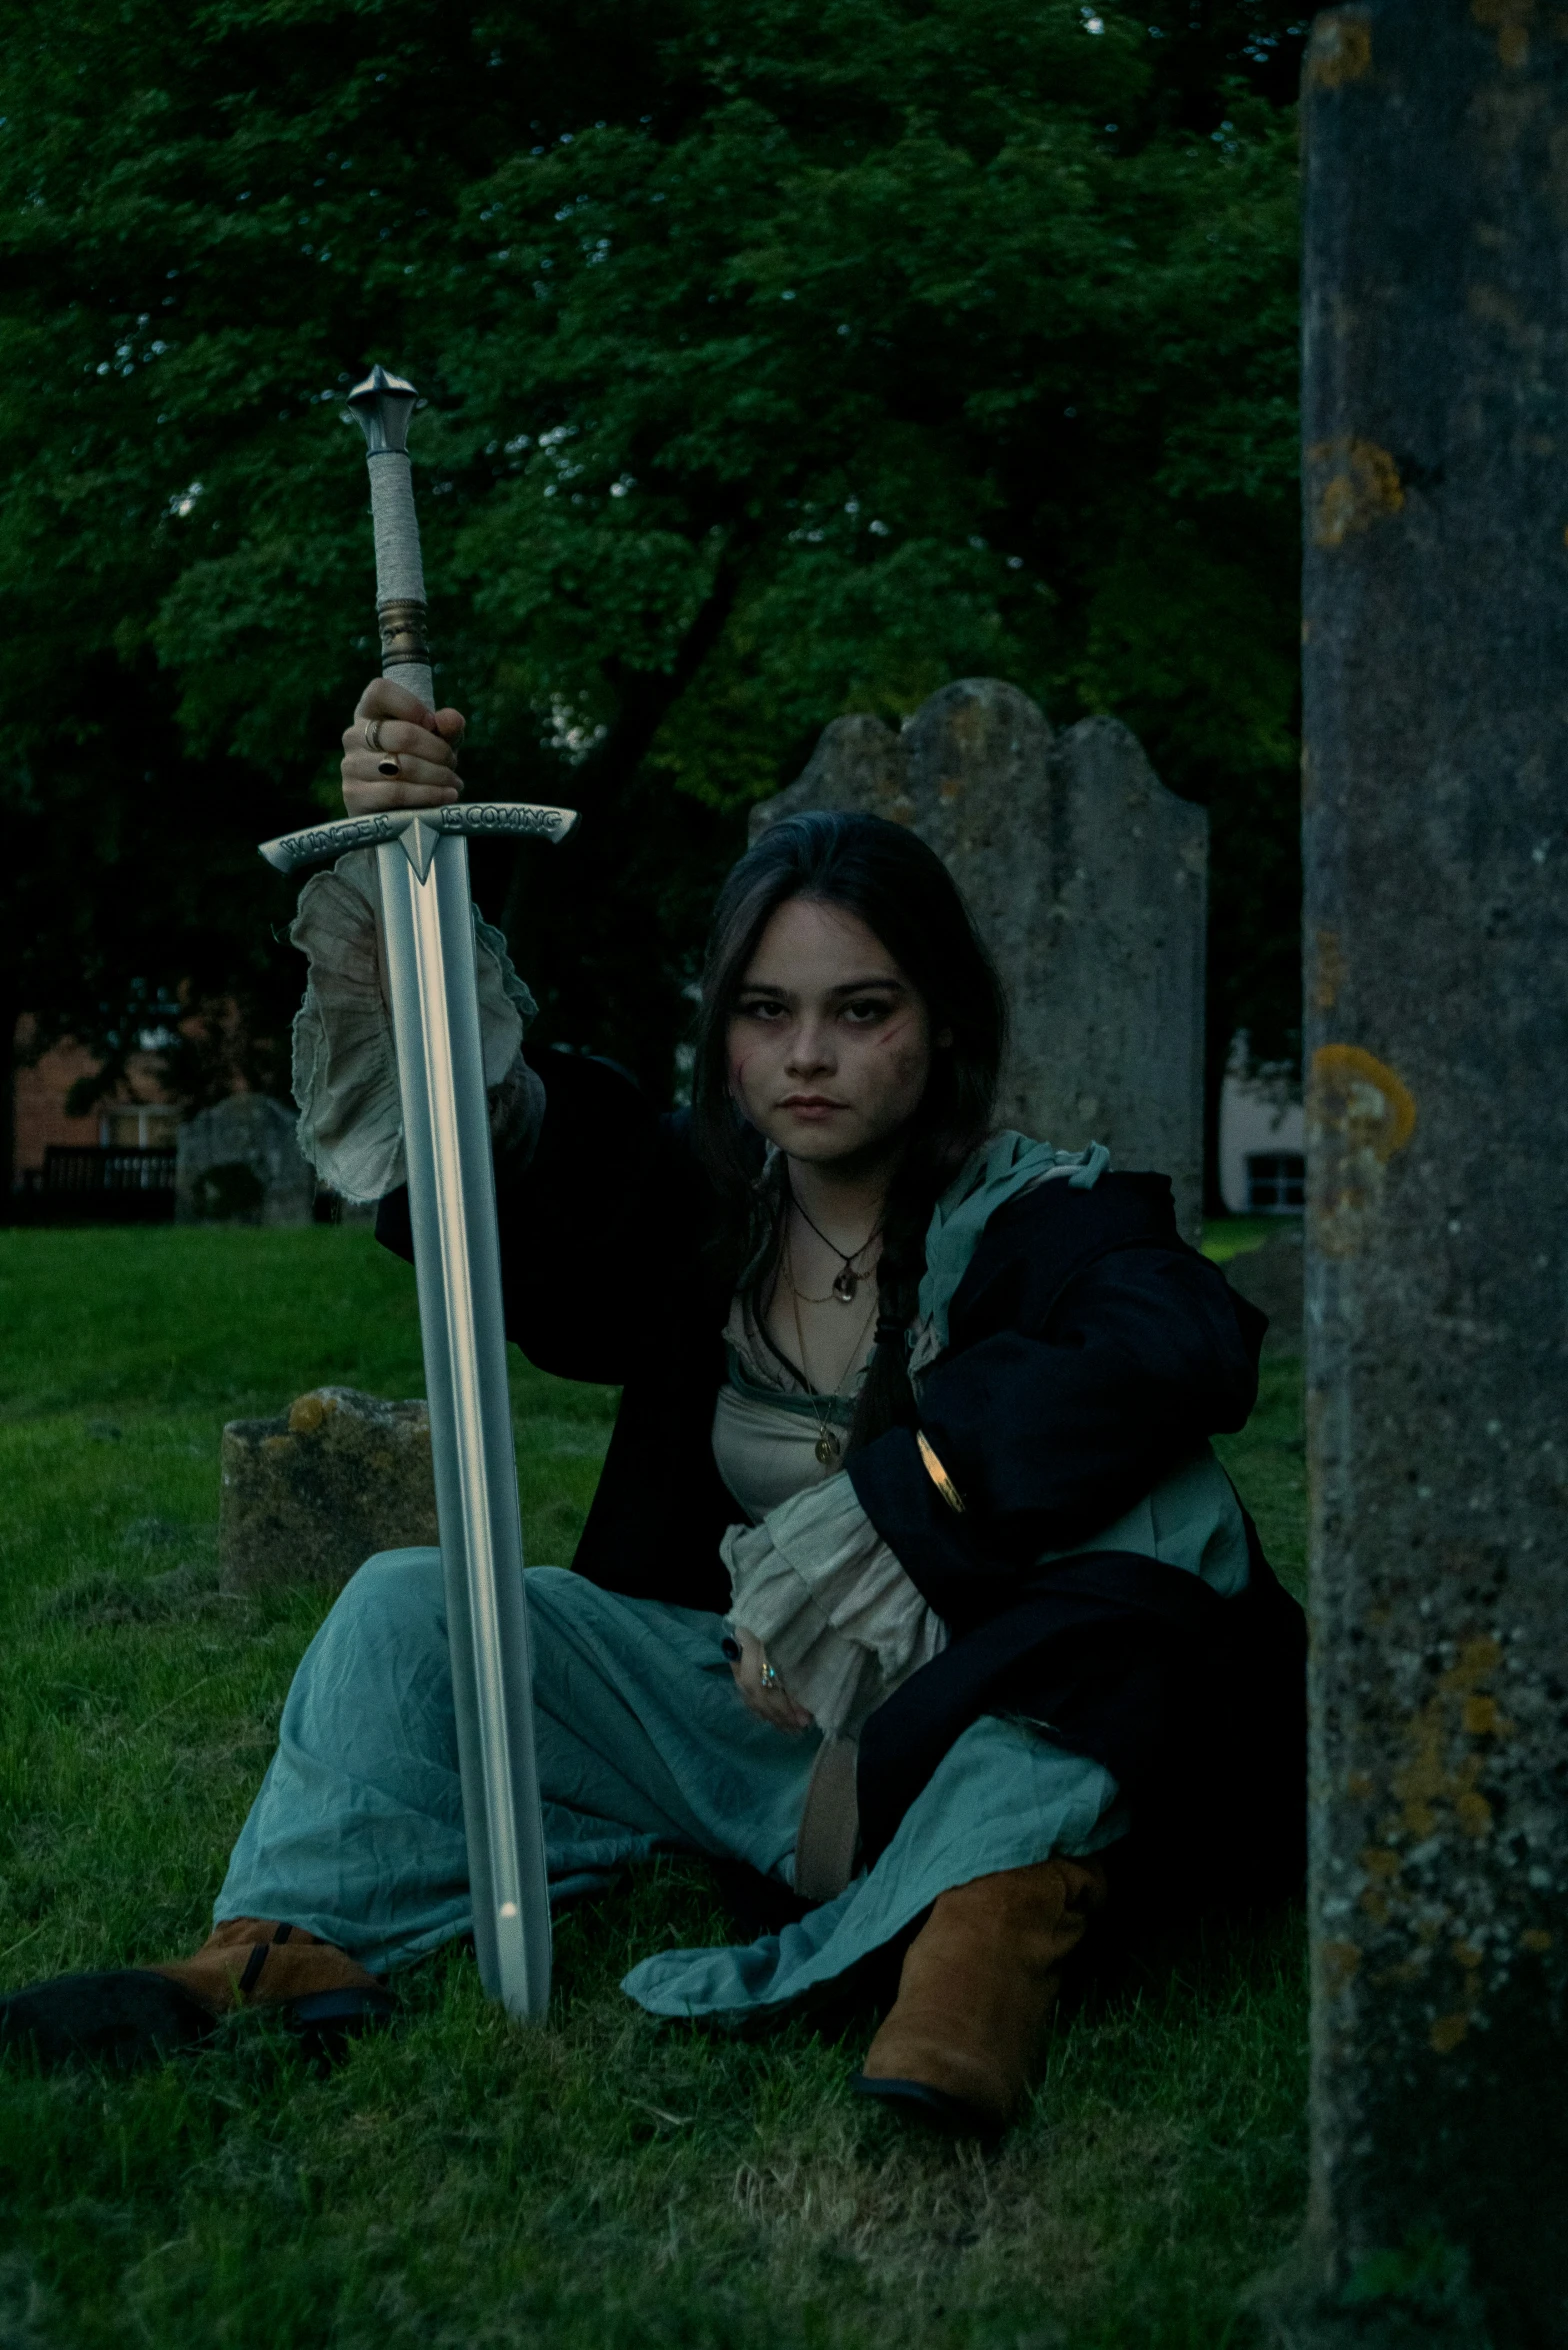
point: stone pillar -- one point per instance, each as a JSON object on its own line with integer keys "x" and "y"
{"x": 1088, "y": 881}
{"x": 1436, "y": 793}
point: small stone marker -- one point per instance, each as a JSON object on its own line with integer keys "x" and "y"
{"x": 1088, "y": 881}
{"x": 309, "y": 1496}
{"x": 1271, "y": 1278}
{"x": 1436, "y": 690}
{"x": 238, "y": 1163}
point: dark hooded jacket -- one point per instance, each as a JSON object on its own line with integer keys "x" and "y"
{"x": 1090, "y": 1352}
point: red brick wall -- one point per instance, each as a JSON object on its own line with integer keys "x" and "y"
{"x": 41, "y": 1092}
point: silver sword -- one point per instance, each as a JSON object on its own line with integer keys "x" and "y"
{"x": 428, "y": 940}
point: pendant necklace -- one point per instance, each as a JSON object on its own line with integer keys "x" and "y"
{"x": 828, "y": 1447}
{"x": 845, "y": 1283}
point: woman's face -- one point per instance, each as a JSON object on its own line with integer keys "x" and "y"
{"x": 829, "y": 1042}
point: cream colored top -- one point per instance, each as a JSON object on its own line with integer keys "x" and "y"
{"x": 766, "y": 1423}
{"x": 811, "y": 1577}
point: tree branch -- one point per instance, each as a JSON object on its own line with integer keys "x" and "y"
{"x": 648, "y": 695}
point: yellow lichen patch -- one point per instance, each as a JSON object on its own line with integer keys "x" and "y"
{"x": 1475, "y": 1660}
{"x": 1474, "y": 1813}
{"x": 1535, "y": 1938}
{"x": 1362, "y": 486}
{"x": 1468, "y": 1955}
{"x": 1378, "y": 1861}
{"x": 1361, "y": 1097}
{"x": 308, "y": 1412}
{"x": 1432, "y": 1778}
{"x": 1340, "y": 49}
{"x": 1328, "y": 972}
{"x": 1425, "y": 1782}
{"x": 1448, "y": 2031}
{"x": 1359, "y": 1786}
{"x": 1360, "y": 1114}
{"x": 1339, "y": 1961}
{"x": 1510, "y": 20}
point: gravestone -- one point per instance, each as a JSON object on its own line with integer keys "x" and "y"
{"x": 1436, "y": 708}
{"x": 238, "y": 1163}
{"x": 1087, "y": 880}
{"x": 1271, "y": 1278}
{"x": 309, "y": 1496}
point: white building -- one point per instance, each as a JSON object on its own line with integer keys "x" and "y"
{"x": 1262, "y": 1144}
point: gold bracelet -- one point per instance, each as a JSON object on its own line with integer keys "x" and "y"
{"x": 939, "y": 1476}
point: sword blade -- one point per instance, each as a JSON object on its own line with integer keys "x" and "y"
{"x": 451, "y": 1190}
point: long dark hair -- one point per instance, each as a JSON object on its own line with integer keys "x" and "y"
{"x": 904, "y": 894}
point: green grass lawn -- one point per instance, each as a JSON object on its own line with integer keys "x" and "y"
{"x": 605, "y": 2181}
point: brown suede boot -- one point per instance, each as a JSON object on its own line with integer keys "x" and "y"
{"x": 255, "y": 1962}
{"x": 978, "y": 1984}
{"x": 138, "y": 2015}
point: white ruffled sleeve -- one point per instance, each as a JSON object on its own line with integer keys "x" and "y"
{"x": 842, "y": 1623}
{"x": 345, "y": 1063}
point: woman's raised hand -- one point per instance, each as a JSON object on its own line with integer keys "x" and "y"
{"x": 770, "y": 1701}
{"x": 410, "y": 758}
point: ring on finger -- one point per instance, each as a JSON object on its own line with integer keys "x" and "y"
{"x": 389, "y": 766}
{"x": 373, "y": 741}
{"x": 768, "y": 1677}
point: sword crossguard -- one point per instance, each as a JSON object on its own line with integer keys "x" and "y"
{"x": 418, "y": 829}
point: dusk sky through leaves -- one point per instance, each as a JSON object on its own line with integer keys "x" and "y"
{"x": 782, "y": 359}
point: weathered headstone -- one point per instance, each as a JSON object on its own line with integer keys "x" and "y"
{"x": 1271, "y": 1278}
{"x": 1088, "y": 881}
{"x": 1436, "y": 637}
{"x": 309, "y": 1496}
{"x": 238, "y": 1163}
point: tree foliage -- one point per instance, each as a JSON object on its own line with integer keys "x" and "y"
{"x": 781, "y": 358}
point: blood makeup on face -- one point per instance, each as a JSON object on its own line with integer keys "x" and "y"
{"x": 825, "y": 1014}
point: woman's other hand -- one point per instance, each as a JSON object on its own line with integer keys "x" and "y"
{"x": 769, "y": 1704}
{"x": 415, "y": 765}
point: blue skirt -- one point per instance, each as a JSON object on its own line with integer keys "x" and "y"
{"x": 645, "y": 1746}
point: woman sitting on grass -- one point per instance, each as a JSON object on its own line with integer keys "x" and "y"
{"x": 911, "y": 1581}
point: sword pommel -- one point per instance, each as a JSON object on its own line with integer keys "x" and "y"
{"x": 418, "y": 829}
{"x": 383, "y": 404}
